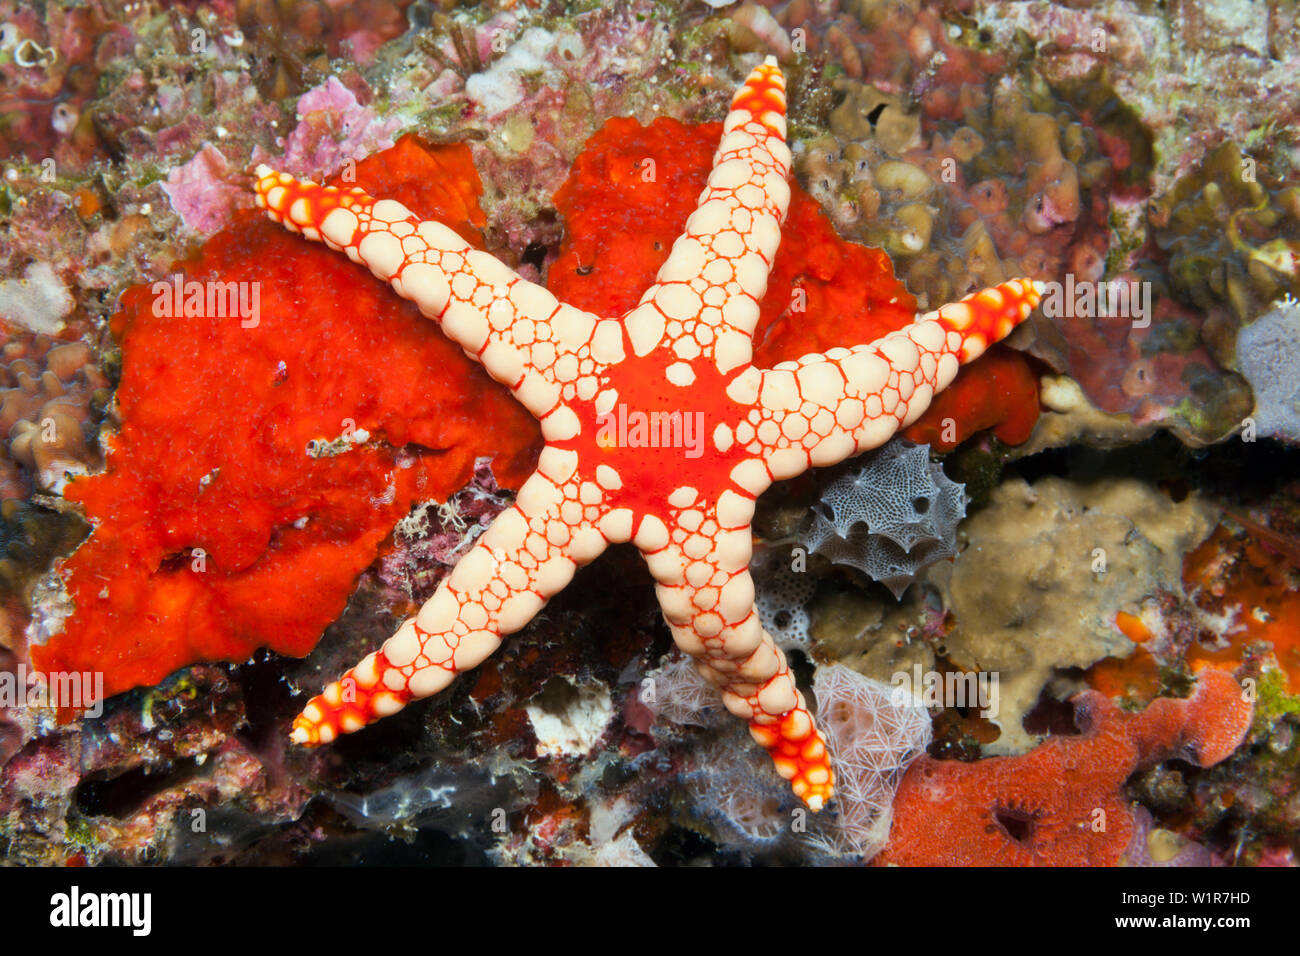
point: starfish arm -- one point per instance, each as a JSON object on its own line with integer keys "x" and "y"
{"x": 526, "y": 339}
{"x": 529, "y": 553}
{"x": 705, "y": 297}
{"x": 829, "y": 406}
{"x": 707, "y": 596}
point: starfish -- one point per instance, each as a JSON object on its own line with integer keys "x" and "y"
{"x": 658, "y": 429}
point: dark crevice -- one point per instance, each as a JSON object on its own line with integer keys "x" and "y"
{"x": 267, "y": 697}
{"x": 1051, "y": 717}
{"x": 534, "y": 255}
{"x": 1235, "y": 470}
{"x": 124, "y": 794}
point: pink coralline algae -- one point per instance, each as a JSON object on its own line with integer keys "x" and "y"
{"x": 203, "y": 191}
{"x": 334, "y": 127}
{"x": 334, "y": 130}
{"x": 432, "y": 538}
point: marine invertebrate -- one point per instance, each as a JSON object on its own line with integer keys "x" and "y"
{"x": 1158, "y": 373}
{"x": 736, "y": 797}
{"x": 1268, "y": 354}
{"x": 781, "y": 595}
{"x": 874, "y": 737}
{"x": 621, "y": 221}
{"x": 968, "y": 175}
{"x": 1247, "y": 583}
{"x": 1062, "y": 803}
{"x": 822, "y": 289}
{"x": 51, "y": 394}
{"x": 1047, "y": 569}
{"x": 1015, "y": 185}
{"x": 890, "y": 517}
{"x": 215, "y": 485}
{"x": 39, "y": 301}
{"x": 681, "y": 484}
{"x": 1002, "y": 399}
{"x": 1156, "y": 846}
{"x": 898, "y": 44}
{"x": 1231, "y": 229}
{"x": 963, "y": 173}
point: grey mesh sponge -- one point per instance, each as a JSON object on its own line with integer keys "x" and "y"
{"x": 892, "y": 515}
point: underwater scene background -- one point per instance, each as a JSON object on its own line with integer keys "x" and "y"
{"x": 1041, "y": 610}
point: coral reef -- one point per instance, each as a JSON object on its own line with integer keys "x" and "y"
{"x": 300, "y": 36}
{"x": 874, "y": 737}
{"x": 1156, "y": 369}
{"x": 1160, "y": 61}
{"x": 593, "y": 383}
{"x": 570, "y": 719}
{"x": 245, "y": 538}
{"x": 1231, "y": 229}
{"x": 734, "y": 798}
{"x": 1047, "y": 568}
{"x": 1147, "y": 145}
{"x": 1001, "y": 193}
{"x": 1268, "y": 354}
{"x": 889, "y": 515}
{"x": 941, "y": 158}
{"x": 31, "y": 536}
{"x": 51, "y": 398}
{"x": 1042, "y": 172}
{"x": 1061, "y": 804}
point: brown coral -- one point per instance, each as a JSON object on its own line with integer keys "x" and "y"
{"x": 1015, "y": 185}
{"x": 1231, "y": 228}
{"x": 51, "y": 394}
{"x": 1047, "y": 568}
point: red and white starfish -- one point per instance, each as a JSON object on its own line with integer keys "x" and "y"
{"x": 658, "y": 429}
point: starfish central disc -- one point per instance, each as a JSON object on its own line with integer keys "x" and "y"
{"x": 649, "y": 432}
